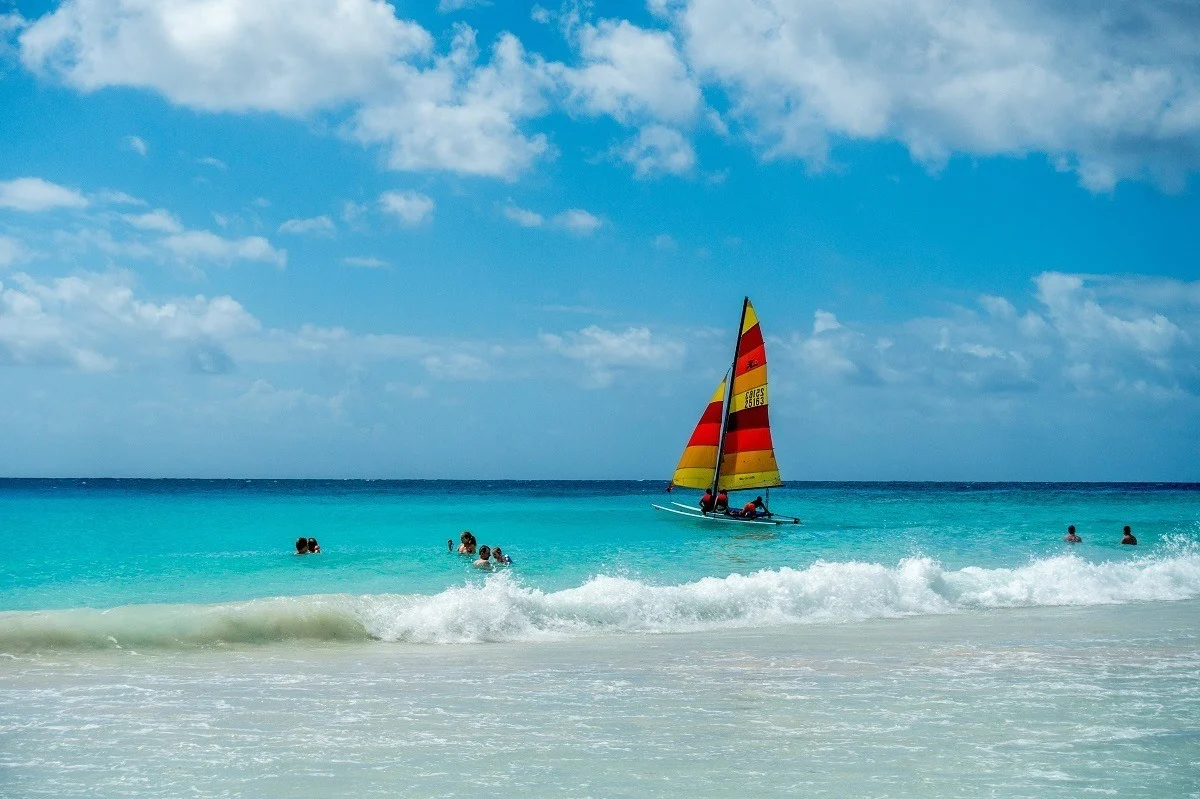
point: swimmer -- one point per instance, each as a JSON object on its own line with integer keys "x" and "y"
{"x": 1129, "y": 540}
{"x": 450, "y": 545}
{"x": 467, "y": 547}
{"x": 1070, "y": 537}
{"x": 485, "y": 552}
{"x": 313, "y": 547}
{"x": 500, "y": 558}
{"x": 301, "y": 546}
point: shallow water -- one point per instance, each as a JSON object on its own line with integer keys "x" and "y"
{"x": 156, "y": 638}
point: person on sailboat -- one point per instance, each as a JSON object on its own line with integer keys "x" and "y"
{"x": 707, "y": 502}
{"x": 722, "y": 505}
{"x": 752, "y": 509}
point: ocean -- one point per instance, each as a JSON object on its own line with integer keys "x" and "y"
{"x": 159, "y": 638}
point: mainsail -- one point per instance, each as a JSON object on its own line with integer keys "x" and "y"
{"x": 731, "y": 447}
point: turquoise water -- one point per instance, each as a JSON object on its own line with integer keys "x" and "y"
{"x": 158, "y": 638}
{"x": 102, "y": 544}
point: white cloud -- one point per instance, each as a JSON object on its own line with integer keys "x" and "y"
{"x": 450, "y": 6}
{"x": 317, "y": 225}
{"x": 158, "y": 220}
{"x": 35, "y": 194}
{"x": 658, "y": 150}
{"x": 630, "y": 73}
{"x": 578, "y": 221}
{"x": 824, "y": 320}
{"x": 11, "y": 251}
{"x": 365, "y": 262}
{"x": 215, "y": 163}
{"x": 605, "y": 352}
{"x": 95, "y": 323}
{"x": 352, "y": 211}
{"x": 459, "y": 116}
{"x": 664, "y": 242}
{"x": 289, "y": 56}
{"x": 118, "y": 198}
{"x": 411, "y": 207}
{"x": 523, "y": 216}
{"x": 1079, "y": 333}
{"x": 1109, "y": 95}
{"x": 137, "y": 144}
{"x": 202, "y": 245}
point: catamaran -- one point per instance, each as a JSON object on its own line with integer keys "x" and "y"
{"x": 731, "y": 447}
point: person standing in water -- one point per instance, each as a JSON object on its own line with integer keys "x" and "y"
{"x": 1129, "y": 540}
{"x": 484, "y": 562}
{"x": 467, "y": 547}
{"x": 1070, "y": 537}
{"x": 301, "y": 546}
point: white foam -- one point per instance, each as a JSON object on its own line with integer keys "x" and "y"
{"x": 503, "y": 609}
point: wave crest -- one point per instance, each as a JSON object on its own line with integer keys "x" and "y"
{"x": 502, "y": 609}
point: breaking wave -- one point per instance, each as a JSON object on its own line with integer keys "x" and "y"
{"x": 503, "y": 609}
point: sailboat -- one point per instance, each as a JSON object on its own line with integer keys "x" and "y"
{"x": 731, "y": 446}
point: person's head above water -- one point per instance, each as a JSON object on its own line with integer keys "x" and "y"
{"x": 313, "y": 545}
{"x": 1127, "y": 531}
{"x": 301, "y": 546}
{"x": 1071, "y": 529}
{"x": 485, "y": 552}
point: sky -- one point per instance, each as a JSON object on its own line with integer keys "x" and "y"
{"x": 466, "y": 239}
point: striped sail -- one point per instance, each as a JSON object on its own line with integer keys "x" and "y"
{"x": 699, "y": 462}
{"x": 748, "y": 458}
{"x": 735, "y": 430}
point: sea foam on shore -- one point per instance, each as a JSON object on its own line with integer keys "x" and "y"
{"x": 504, "y": 609}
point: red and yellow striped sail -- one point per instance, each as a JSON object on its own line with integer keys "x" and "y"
{"x": 699, "y": 461}
{"x": 748, "y": 458}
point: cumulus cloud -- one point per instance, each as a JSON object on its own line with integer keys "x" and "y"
{"x": 410, "y": 207}
{"x": 202, "y": 245}
{"x": 1109, "y": 93}
{"x": 11, "y": 251}
{"x": 630, "y": 74}
{"x": 606, "y": 352}
{"x": 319, "y": 225}
{"x": 658, "y": 150}
{"x": 460, "y": 116}
{"x": 578, "y": 221}
{"x": 35, "y": 194}
{"x": 523, "y": 216}
{"x": 1077, "y": 333}
{"x": 137, "y": 144}
{"x": 159, "y": 220}
{"x": 365, "y": 262}
{"x": 289, "y": 56}
{"x": 95, "y": 323}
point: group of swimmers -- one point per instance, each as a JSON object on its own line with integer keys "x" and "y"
{"x": 307, "y": 546}
{"x": 720, "y": 504}
{"x": 1073, "y": 538}
{"x": 488, "y": 558}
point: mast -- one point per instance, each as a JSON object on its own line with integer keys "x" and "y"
{"x": 737, "y": 343}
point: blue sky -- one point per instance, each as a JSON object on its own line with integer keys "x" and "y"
{"x": 352, "y": 239}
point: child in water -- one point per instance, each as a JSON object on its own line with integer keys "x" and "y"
{"x": 500, "y": 558}
{"x": 485, "y": 552}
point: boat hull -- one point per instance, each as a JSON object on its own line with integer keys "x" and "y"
{"x": 694, "y": 513}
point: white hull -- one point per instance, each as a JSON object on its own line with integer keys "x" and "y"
{"x": 694, "y": 513}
